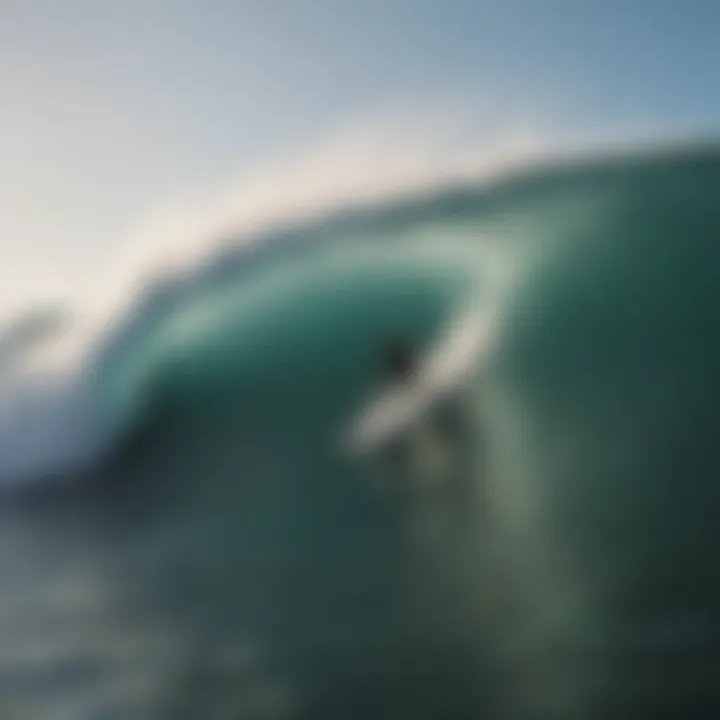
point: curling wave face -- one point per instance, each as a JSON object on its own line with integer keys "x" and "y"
{"x": 600, "y": 407}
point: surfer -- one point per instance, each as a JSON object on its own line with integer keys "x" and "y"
{"x": 418, "y": 432}
{"x": 400, "y": 367}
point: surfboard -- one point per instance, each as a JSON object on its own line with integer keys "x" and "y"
{"x": 402, "y": 410}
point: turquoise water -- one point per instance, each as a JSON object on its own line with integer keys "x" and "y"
{"x": 223, "y": 559}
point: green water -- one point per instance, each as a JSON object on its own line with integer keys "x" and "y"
{"x": 227, "y": 561}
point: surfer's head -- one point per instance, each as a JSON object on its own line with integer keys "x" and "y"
{"x": 398, "y": 359}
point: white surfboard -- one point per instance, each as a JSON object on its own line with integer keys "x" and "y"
{"x": 403, "y": 409}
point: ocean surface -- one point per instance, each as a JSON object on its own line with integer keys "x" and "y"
{"x": 182, "y": 536}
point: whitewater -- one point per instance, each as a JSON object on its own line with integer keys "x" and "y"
{"x": 183, "y": 535}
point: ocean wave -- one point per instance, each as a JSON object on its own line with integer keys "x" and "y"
{"x": 75, "y": 396}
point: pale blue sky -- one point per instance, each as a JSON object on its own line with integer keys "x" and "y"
{"x": 111, "y": 108}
